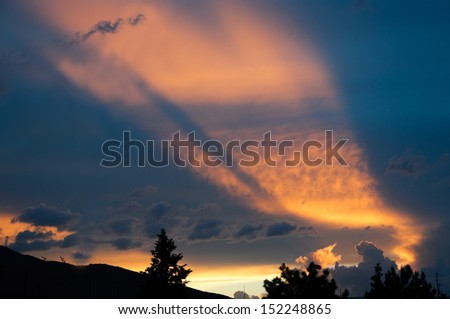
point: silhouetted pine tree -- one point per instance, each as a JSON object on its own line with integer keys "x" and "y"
{"x": 404, "y": 283}
{"x": 165, "y": 278}
{"x": 294, "y": 283}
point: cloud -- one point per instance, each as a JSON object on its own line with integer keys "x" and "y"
{"x": 248, "y": 231}
{"x": 407, "y": 165}
{"x": 239, "y": 56}
{"x": 280, "y": 229}
{"x": 323, "y": 256}
{"x": 70, "y": 241}
{"x": 183, "y": 220}
{"x": 44, "y": 215}
{"x": 123, "y": 226}
{"x": 206, "y": 230}
{"x": 28, "y": 235}
{"x": 80, "y": 256}
{"x": 34, "y": 240}
{"x": 372, "y": 255}
{"x": 143, "y": 192}
{"x": 125, "y": 243}
{"x": 162, "y": 215}
{"x": 157, "y": 210}
{"x": 434, "y": 248}
{"x": 136, "y": 20}
{"x": 106, "y": 26}
{"x": 130, "y": 208}
{"x": 357, "y": 278}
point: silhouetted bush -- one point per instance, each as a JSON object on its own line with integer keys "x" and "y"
{"x": 293, "y": 283}
{"x": 403, "y": 283}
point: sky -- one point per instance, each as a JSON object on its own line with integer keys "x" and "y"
{"x": 76, "y": 74}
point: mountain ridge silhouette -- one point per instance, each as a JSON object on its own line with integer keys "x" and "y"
{"x": 24, "y": 276}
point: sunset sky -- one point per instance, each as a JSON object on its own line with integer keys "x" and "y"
{"x": 74, "y": 74}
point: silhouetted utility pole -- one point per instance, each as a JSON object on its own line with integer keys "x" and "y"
{"x": 6, "y": 241}
{"x": 438, "y": 285}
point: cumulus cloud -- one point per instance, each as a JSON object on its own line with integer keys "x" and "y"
{"x": 407, "y": 165}
{"x": 248, "y": 231}
{"x": 357, "y": 278}
{"x": 207, "y": 229}
{"x": 70, "y": 241}
{"x": 280, "y": 229}
{"x": 122, "y": 226}
{"x": 323, "y": 256}
{"x": 157, "y": 210}
{"x": 180, "y": 219}
{"x": 372, "y": 255}
{"x": 125, "y": 243}
{"x": 34, "y": 240}
{"x": 80, "y": 256}
{"x": 44, "y": 215}
{"x": 161, "y": 215}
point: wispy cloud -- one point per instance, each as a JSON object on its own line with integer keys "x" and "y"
{"x": 106, "y": 26}
{"x": 407, "y": 165}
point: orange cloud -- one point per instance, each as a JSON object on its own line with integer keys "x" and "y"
{"x": 10, "y": 230}
{"x": 239, "y": 58}
{"x": 323, "y": 256}
{"x": 7, "y": 228}
{"x": 236, "y": 75}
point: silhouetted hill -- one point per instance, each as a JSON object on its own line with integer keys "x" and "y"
{"x": 23, "y": 276}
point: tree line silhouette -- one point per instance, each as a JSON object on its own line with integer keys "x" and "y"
{"x": 166, "y": 278}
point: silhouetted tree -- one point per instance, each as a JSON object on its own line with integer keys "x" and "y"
{"x": 165, "y": 278}
{"x": 294, "y": 283}
{"x": 403, "y": 283}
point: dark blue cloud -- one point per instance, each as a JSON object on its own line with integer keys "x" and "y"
{"x": 157, "y": 210}
{"x": 143, "y": 192}
{"x": 70, "y": 241}
{"x": 280, "y": 229}
{"x": 408, "y": 165}
{"x": 122, "y": 226}
{"x": 249, "y": 231}
{"x": 80, "y": 256}
{"x": 125, "y": 244}
{"x": 357, "y": 278}
{"x": 34, "y": 240}
{"x": 44, "y": 215}
{"x": 207, "y": 229}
